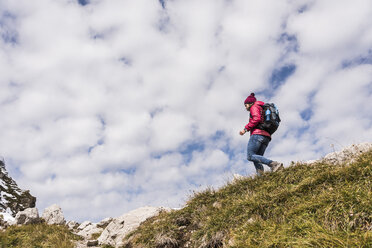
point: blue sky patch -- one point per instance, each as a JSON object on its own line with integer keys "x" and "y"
{"x": 129, "y": 171}
{"x": 102, "y": 121}
{"x": 221, "y": 69}
{"x": 192, "y": 146}
{"x": 361, "y": 60}
{"x": 163, "y": 23}
{"x": 188, "y": 148}
{"x": 155, "y": 111}
{"x": 302, "y": 9}
{"x": 369, "y": 88}
{"x": 280, "y": 75}
{"x": 7, "y": 28}
{"x": 99, "y": 143}
{"x": 12, "y": 167}
{"x": 218, "y": 135}
{"x": 12, "y": 84}
{"x": 162, "y": 3}
{"x": 290, "y": 42}
{"x": 96, "y": 35}
{"x": 125, "y": 61}
{"x": 306, "y": 114}
{"x": 9, "y": 37}
{"x": 221, "y": 135}
{"x": 83, "y": 2}
{"x": 301, "y": 131}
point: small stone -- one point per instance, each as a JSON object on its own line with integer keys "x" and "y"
{"x": 217, "y": 205}
{"x": 92, "y": 243}
{"x": 250, "y": 220}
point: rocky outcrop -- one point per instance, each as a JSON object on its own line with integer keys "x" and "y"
{"x": 6, "y": 220}
{"x": 27, "y": 216}
{"x": 346, "y": 155}
{"x": 88, "y": 229}
{"x": 349, "y": 154}
{"x": 111, "y": 231}
{"x": 12, "y": 198}
{"x": 53, "y": 215}
{"x": 114, "y": 233}
{"x": 105, "y": 222}
{"x": 72, "y": 225}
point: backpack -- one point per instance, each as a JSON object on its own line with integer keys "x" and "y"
{"x": 271, "y": 118}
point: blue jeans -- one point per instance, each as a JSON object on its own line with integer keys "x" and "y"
{"x": 256, "y": 148}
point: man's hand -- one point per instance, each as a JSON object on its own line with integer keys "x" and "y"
{"x": 242, "y": 132}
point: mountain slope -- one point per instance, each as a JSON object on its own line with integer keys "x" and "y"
{"x": 317, "y": 205}
{"x": 12, "y": 198}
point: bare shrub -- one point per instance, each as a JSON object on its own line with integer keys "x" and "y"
{"x": 215, "y": 242}
{"x": 163, "y": 241}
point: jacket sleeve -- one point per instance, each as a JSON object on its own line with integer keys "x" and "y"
{"x": 255, "y": 117}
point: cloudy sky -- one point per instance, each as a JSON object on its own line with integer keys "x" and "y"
{"x": 111, "y": 105}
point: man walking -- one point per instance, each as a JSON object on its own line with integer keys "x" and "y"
{"x": 259, "y": 138}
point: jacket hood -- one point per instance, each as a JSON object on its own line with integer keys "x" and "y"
{"x": 259, "y": 103}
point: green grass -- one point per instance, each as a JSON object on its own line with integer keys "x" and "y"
{"x": 95, "y": 236}
{"x": 322, "y": 205}
{"x": 37, "y": 236}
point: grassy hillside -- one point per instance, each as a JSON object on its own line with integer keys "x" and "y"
{"x": 322, "y": 205}
{"x": 37, "y": 236}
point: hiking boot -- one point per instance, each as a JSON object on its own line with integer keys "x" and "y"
{"x": 275, "y": 166}
{"x": 259, "y": 172}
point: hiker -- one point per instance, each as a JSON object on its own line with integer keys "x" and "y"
{"x": 259, "y": 138}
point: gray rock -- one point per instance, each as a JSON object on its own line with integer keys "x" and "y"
{"x": 121, "y": 226}
{"x": 6, "y": 220}
{"x": 27, "y": 216}
{"x": 346, "y": 156}
{"x": 72, "y": 225}
{"x": 53, "y": 215}
{"x": 84, "y": 225}
{"x": 105, "y": 222}
{"x": 87, "y": 229}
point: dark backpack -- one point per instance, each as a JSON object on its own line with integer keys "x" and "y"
{"x": 271, "y": 118}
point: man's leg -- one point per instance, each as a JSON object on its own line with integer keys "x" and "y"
{"x": 274, "y": 165}
{"x": 259, "y": 168}
{"x": 255, "y": 147}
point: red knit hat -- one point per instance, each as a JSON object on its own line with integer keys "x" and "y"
{"x": 250, "y": 99}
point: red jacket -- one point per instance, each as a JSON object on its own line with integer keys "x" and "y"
{"x": 255, "y": 118}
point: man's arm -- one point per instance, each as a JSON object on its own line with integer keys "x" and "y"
{"x": 254, "y": 121}
{"x": 242, "y": 132}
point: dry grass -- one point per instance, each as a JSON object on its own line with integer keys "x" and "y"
{"x": 322, "y": 205}
{"x": 37, "y": 236}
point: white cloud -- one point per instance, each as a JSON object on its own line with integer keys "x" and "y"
{"x": 168, "y": 130}
{"x": 120, "y": 104}
{"x": 330, "y": 27}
